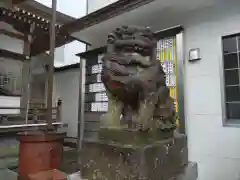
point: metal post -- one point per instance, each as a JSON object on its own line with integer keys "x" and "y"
{"x": 51, "y": 65}
{"x": 180, "y": 56}
{"x": 25, "y": 78}
{"x": 81, "y": 100}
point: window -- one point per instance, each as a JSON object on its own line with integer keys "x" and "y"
{"x": 231, "y": 69}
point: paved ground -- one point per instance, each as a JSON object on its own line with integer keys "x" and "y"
{"x": 8, "y": 174}
{"x": 8, "y": 153}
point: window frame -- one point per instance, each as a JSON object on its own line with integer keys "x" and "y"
{"x": 227, "y": 122}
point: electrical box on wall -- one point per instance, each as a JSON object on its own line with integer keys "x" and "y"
{"x": 194, "y": 54}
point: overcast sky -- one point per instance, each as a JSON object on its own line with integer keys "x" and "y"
{"x": 74, "y": 8}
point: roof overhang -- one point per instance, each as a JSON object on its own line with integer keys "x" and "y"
{"x": 108, "y": 12}
{"x": 45, "y": 12}
{"x": 158, "y": 14}
{"x": 38, "y": 9}
{"x": 29, "y": 12}
{"x": 16, "y": 2}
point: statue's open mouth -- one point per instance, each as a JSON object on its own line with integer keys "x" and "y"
{"x": 141, "y": 47}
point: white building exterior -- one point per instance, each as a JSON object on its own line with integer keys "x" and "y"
{"x": 212, "y": 145}
{"x": 67, "y": 88}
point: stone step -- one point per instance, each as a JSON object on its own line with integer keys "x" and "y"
{"x": 8, "y": 162}
{"x": 8, "y": 174}
{"x": 8, "y": 147}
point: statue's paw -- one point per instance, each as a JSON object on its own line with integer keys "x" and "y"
{"x": 167, "y": 126}
{"x": 108, "y": 120}
{"x": 142, "y": 128}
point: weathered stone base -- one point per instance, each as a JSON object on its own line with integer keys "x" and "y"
{"x": 160, "y": 160}
{"x": 132, "y": 136}
{"x": 190, "y": 173}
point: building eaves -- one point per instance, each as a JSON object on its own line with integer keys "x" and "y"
{"x": 103, "y": 14}
{"x": 37, "y": 9}
{"x": 45, "y": 12}
{"x": 21, "y": 20}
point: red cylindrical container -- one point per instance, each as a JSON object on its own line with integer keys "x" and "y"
{"x": 39, "y": 151}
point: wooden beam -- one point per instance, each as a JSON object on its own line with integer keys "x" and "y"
{"x": 12, "y": 55}
{"x": 52, "y": 46}
{"x": 15, "y": 2}
{"x": 11, "y": 34}
{"x": 41, "y": 42}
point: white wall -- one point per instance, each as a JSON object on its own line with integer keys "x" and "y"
{"x": 66, "y": 54}
{"x": 59, "y": 59}
{"x": 8, "y": 101}
{"x": 214, "y": 147}
{"x": 11, "y": 44}
{"x": 10, "y": 65}
{"x": 71, "y": 50}
{"x": 94, "y": 5}
{"x": 67, "y": 89}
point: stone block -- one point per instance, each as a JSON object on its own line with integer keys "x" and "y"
{"x": 159, "y": 160}
{"x": 132, "y": 136}
{"x": 190, "y": 173}
{"x": 8, "y": 174}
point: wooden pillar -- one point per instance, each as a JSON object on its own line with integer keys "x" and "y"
{"x": 81, "y": 101}
{"x": 24, "y": 102}
{"x": 51, "y": 66}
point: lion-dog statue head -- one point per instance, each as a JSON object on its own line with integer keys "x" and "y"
{"x": 135, "y": 81}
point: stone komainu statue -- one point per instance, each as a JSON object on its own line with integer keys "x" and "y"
{"x": 135, "y": 81}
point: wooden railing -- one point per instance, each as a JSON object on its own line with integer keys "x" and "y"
{"x": 35, "y": 103}
{"x": 10, "y": 83}
{"x": 35, "y": 114}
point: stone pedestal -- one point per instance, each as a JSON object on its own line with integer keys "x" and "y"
{"x": 133, "y": 157}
